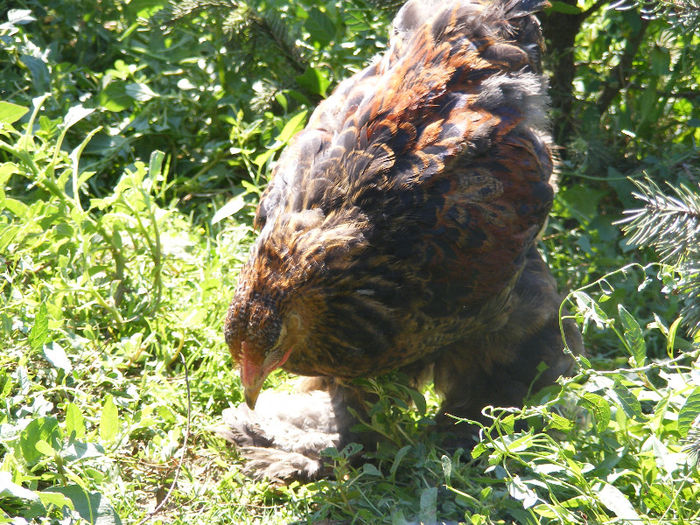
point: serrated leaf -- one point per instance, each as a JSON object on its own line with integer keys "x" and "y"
{"x": 109, "y": 420}
{"x": 558, "y": 422}
{"x": 629, "y": 403}
{"x": 75, "y": 422}
{"x": 39, "y": 333}
{"x": 10, "y": 113}
{"x": 634, "y": 337}
{"x": 689, "y": 412}
{"x": 599, "y": 408}
{"x": 590, "y": 309}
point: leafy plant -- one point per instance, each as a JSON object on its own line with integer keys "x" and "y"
{"x": 135, "y": 140}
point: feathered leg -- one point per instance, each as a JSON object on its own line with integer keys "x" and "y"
{"x": 283, "y": 438}
{"x": 501, "y": 368}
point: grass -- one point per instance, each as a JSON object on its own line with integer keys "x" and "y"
{"x": 114, "y": 281}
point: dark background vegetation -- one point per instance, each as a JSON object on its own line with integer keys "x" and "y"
{"x": 136, "y": 138}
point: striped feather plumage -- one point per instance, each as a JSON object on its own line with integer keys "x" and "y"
{"x": 399, "y": 227}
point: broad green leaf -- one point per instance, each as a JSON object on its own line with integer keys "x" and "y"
{"x": 314, "y": 80}
{"x": 109, "y": 421}
{"x": 320, "y": 26}
{"x": 17, "y": 208}
{"x": 561, "y": 7}
{"x": 478, "y": 450}
{"x": 428, "y": 505}
{"x": 600, "y": 409}
{"x": 656, "y": 498}
{"x": 140, "y": 92}
{"x": 56, "y": 355}
{"x": 370, "y": 470}
{"x": 114, "y": 97}
{"x": 56, "y": 499}
{"x": 522, "y": 492}
{"x": 634, "y": 337}
{"x": 418, "y": 400}
{"x": 10, "y": 112}
{"x": 41, "y": 77}
{"x": 79, "y": 450}
{"x": 397, "y": 459}
{"x": 20, "y": 16}
{"x": 155, "y": 164}
{"x": 9, "y": 489}
{"x": 39, "y": 333}
{"x": 671, "y": 337}
{"x": 75, "y": 422}
{"x": 616, "y": 502}
{"x": 292, "y": 127}
{"x": 7, "y": 169}
{"x": 93, "y": 507}
{"x": 146, "y": 8}
{"x": 44, "y": 448}
{"x": 234, "y": 205}
{"x": 689, "y": 412}
{"x": 546, "y": 511}
{"x": 41, "y": 429}
{"x": 446, "y": 462}
{"x": 76, "y": 114}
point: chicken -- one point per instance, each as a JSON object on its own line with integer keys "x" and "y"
{"x": 398, "y": 233}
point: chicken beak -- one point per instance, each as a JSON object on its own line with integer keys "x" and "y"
{"x": 255, "y": 369}
{"x": 252, "y": 377}
{"x": 251, "y": 396}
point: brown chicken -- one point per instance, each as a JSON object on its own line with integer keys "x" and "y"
{"x": 399, "y": 232}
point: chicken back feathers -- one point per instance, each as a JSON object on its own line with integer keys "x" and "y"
{"x": 398, "y": 223}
